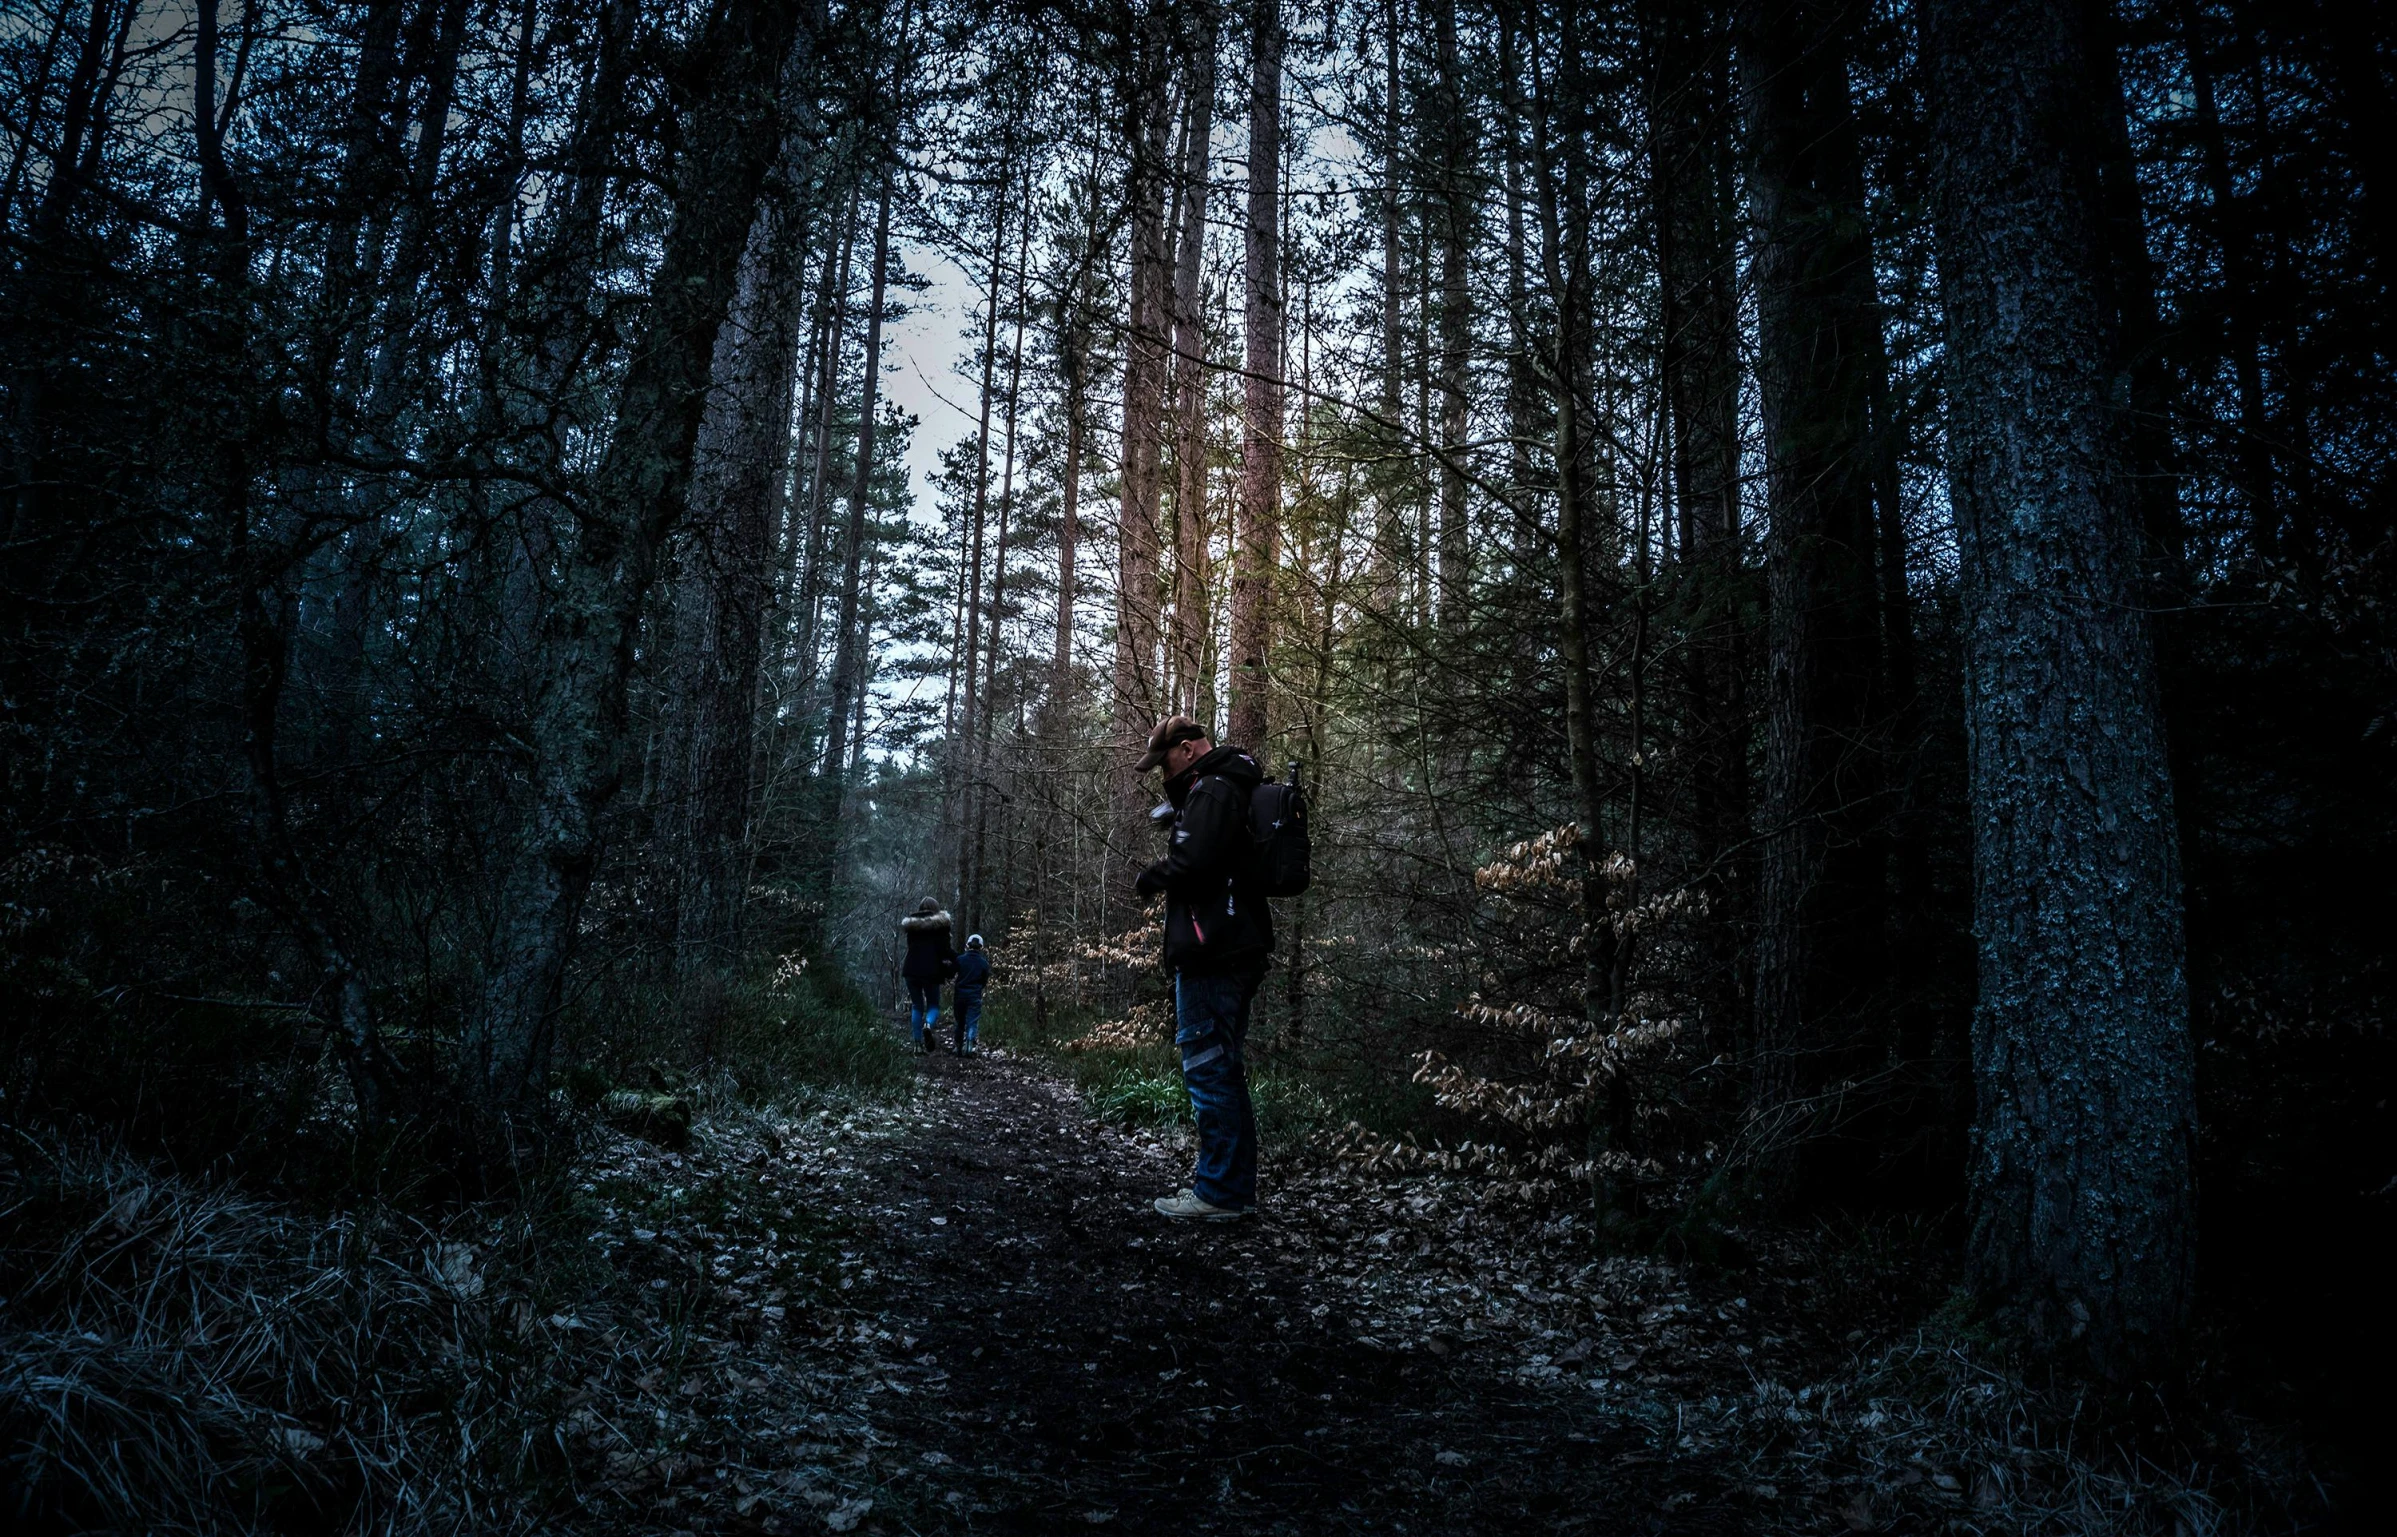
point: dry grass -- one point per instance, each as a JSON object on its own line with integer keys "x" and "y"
{"x": 641, "y": 1330}
{"x": 1936, "y": 1432}
{"x": 176, "y": 1357}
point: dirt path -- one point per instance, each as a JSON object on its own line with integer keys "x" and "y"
{"x": 1077, "y": 1360}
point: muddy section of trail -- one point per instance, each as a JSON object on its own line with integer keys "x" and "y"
{"x": 1067, "y": 1359}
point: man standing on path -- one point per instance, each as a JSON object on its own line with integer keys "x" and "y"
{"x": 1218, "y": 938}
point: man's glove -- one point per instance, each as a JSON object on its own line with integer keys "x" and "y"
{"x": 1152, "y": 880}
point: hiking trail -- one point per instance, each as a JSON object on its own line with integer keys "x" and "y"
{"x": 1077, "y": 1360}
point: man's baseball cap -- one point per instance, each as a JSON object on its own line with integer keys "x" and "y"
{"x": 1172, "y": 730}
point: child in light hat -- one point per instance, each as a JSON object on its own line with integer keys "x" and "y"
{"x": 973, "y": 973}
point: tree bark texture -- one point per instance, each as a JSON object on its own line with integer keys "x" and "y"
{"x": 1459, "y": 217}
{"x": 998, "y": 589}
{"x": 1691, "y": 118}
{"x": 807, "y": 645}
{"x": 1522, "y": 380}
{"x": 964, "y": 761}
{"x": 1136, "y": 693}
{"x": 1260, "y": 514}
{"x": 726, "y": 583}
{"x": 578, "y": 734}
{"x": 1564, "y": 245}
{"x": 2082, "y": 1201}
{"x": 1390, "y": 555}
{"x": 1191, "y": 586}
{"x": 851, "y": 646}
{"x": 1821, "y": 887}
{"x": 1073, "y": 362}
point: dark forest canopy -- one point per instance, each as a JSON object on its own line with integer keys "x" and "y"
{"x": 1829, "y": 567}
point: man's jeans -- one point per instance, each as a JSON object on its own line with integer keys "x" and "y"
{"x": 1211, "y": 1028}
{"x": 968, "y": 1008}
{"x": 923, "y": 1012}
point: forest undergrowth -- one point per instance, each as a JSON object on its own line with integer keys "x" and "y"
{"x": 1827, "y": 1368}
{"x": 707, "y": 1323}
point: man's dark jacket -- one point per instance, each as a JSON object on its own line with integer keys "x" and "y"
{"x": 973, "y": 970}
{"x": 1216, "y": 920}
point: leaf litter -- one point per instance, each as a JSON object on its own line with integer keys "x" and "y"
{"x": 958, "y": 1314}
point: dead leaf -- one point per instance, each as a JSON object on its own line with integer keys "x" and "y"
{"x": 453, "y": 1264}
{"x": 845, "y": 1516}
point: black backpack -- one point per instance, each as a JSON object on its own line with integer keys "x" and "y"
{"x": 1277, "y": 827}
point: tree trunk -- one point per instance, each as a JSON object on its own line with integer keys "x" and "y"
{"x": 1522, "y": 378}
{"x": 1074, "y": 362}
{"x": 2082, "y": 1201}
{"x": 1564, "y": 245}
{"x": 1136, "y": 698}
{"x": 1073, "y": 355}
{"x": 1458, "y": 156}
{"x": 962, "y": 768}
{"x": 1691, "y": 119}
{"x": 1260, "y": 511}
{"x": 1190, "y": 584}
{"x": 807, "y": 645}
{"x": 796, "y": 530}
{"x": 850, "y": 659}
{"x": 1389, "y": 535}
{"x": 578, "y": 732}
{"x": 727, "y": 581}
{"x": 853, "y": 651}
{"x": 1820, "y": 957}
{"x": 998, "y": 588}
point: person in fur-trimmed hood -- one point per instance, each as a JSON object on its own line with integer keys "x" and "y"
{"x": 929, "y": 963}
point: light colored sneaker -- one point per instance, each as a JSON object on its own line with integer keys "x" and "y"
{"x": 1184, "y": 1205}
